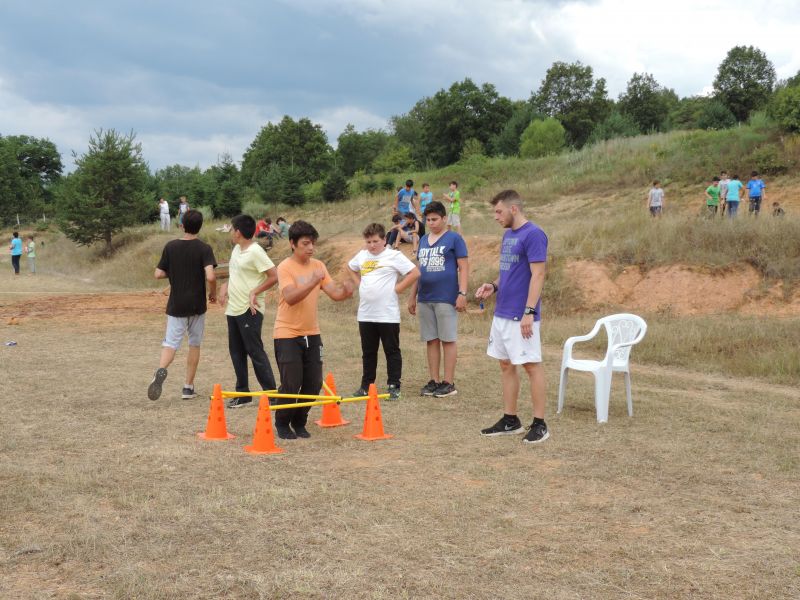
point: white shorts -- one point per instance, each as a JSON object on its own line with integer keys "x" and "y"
{"x": 506, "y": 342}
{"x": 454, "y": 220}
{"x": 178, "y": 326}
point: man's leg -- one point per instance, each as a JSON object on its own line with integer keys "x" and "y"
{"x": 192, "y": 360}
{"x": 238, "y": 353}
{"x": 510, "y": 380}
{"x": 434, "y": 357}
{"x": 176, "y": 327}
{"x": 370, "y": 338}
{"x": 450, "y": 356}
{"x": 167, "y": 356}
{"x": 250, "y": 330}
{"x": 390, "y": 338}
{"x": 538, "y": 391}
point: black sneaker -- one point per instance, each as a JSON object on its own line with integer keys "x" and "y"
{"x": 285, "y": 433}
{"x": 445, "y": 389}
{"x": 188, "y": 393}
{"x": 537, "y": 433}
{"x": 429, "y": 388}
{"x": 504, "y": 427}
{"x": 360, "y": 393}
{"x": 394, "y": 392}
{"x": 239, "y": 401}
{"x": 154, "y": 389}
{"x": 301, "y": 431}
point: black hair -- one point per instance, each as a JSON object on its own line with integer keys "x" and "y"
{"x": 301, "y": 229}
{"x": 396, "y": 218}
{"x": 409, "y": 182}
{"x": 754, "y": 174}
{"x": 454, "y": 182}
{"x": 193, "y": 221}
{"x": 716, "y": 179}
{"x": 410, "y": 215}
{"x": 435, "y": 207}
{"x": 426, "y": 185}
{"x": 244, "y": 224}
{"x": 280, "y": 219}
{"x": 15, "y": 234}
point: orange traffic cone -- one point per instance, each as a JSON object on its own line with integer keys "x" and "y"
{"x": 263, "y": 436}
{"x": 331, "y": 415}
{"x": 373, "y": 424}
{"x": 215, "y": 427}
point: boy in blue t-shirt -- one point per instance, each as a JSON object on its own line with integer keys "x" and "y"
{"x": 755, "y": 191}
{"x": 405, "y": 200}
{"x": 425, "y": 198}
{"x": 441, "y": 292}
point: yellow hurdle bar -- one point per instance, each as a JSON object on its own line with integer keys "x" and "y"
{"x": 334, "y": 400}
{"x": 253, "y": 394}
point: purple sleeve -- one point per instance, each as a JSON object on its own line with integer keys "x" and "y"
{"x": 536, "y": 246}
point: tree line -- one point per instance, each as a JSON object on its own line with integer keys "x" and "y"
{"x": 292, "y": 161}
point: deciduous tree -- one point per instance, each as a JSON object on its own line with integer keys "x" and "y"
{"x": 744, "y": 80}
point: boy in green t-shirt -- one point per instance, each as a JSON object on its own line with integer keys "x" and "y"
{"x": 30, "y": 249}
{"x": 712, "y": 198}
{"x": 454, "y": 214}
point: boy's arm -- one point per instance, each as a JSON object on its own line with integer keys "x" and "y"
{"x": 222, "y": 295}
{"x": 270, "y": 280}
{"x": 159, "y": 274}
{"x": 294, "y": 293}
{"x": 211, "y": 278}
{"x": 463, "y": 278}
{"x": 412, "y": 298}
{"x": 355, "y": 276}
{"x": 408, "y": 280}
{"x": 339, "y": 291}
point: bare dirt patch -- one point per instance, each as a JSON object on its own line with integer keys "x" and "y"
{"x": 682, "y": 289}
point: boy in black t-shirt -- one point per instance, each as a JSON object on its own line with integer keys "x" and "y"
{"x": 188, "y": 263}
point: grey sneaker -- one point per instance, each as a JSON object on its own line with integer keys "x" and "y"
{"x": 537, "y": 433}
{"x": 394, "y": 392}
{"x": 445, "y": 389}
{"x": 239, "y": 401}
{"x": 504, "y": 427}
{"x": 154, "y": 389}
{"x": 429, "y": 388}
{"x": 360, "y": 392}
{"x": 188, "y": 393}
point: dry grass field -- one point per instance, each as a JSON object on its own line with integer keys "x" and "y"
{"x": 107, "y": 495}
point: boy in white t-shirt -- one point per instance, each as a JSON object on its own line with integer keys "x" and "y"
{"x": 376, "y": 270}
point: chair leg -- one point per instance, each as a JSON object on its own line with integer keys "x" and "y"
{"x": 602, "y": 393}
{"x": 562, "y": 388}
{"x": 628, "y": 392}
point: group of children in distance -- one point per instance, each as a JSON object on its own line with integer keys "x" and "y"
{"x": 723, "y": 193}
{"x": 438, "y": 291}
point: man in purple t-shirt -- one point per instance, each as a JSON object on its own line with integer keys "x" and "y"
{"x": 514, "y": 339}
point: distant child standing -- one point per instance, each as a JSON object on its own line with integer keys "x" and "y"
{"x": 283, "y": 227}
{"x": 441, "y": 293}
{"x": 30, "y": 250}
{"x": 777, "y": 211}
{"x": 454, "y": 198}
{"x": 755, "y": 190}
{"x": 298, "y": 344}
{"x": 425, "y": 198}
{"x": 375, "y": 269}
{"x": 712, "y": 198}
{"x": 655, "y": 199}
{"x": 16, "y": 251}
{"x": 724, "y": 180}
{"x": 183, "y": 207}
{"x": 732, "y": 197}
{"x": 405, "y": 200}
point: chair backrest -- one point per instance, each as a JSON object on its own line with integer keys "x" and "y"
{"x": 621, "y": 329}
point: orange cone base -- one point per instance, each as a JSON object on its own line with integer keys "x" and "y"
{"x": 202, "y": 435}
{"x": 385, "y": 436}
{"x": 343, "y": 422}
{"x": 331, "y": 421}
{"x": 252, "y": 450}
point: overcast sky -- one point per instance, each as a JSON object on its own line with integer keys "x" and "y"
{"x": 196, "y": 79}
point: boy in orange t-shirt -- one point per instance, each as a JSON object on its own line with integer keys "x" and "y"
{"x": 298, "y": 344}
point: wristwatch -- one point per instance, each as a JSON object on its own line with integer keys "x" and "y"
{"x": 462, "y": 294}
{"x": 529, "y": 310}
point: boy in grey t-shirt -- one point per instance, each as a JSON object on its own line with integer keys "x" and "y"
{"x": 655, "y": 199}
{"x": 724, "y": 180}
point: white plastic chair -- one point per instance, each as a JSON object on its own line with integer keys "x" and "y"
{"x": 623, "y": 330}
